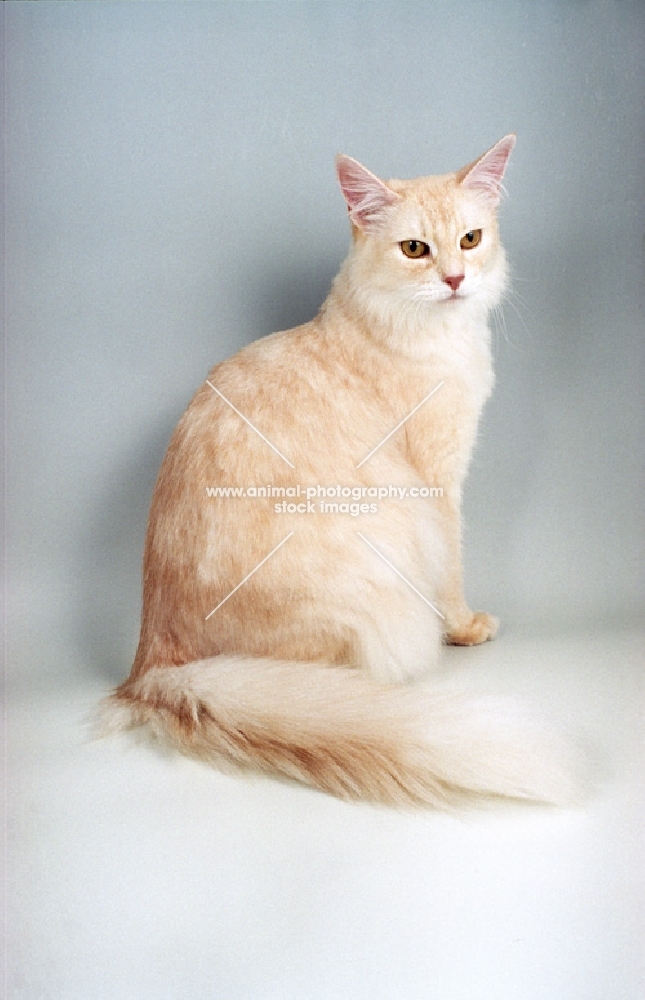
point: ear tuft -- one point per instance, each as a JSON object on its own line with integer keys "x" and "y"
{"x": 365, "y": 194}
{"x": 485, "y": 175}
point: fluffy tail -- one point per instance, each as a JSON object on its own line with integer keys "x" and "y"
{"x": 339, "y": 731}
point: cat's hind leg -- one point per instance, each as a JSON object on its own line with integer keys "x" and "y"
{"x": 400, "y": 639}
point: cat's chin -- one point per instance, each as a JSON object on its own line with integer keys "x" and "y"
{"x": 440, "y": 300}
{"x": 475, "y": 299}
{"x": 453, "y": 298}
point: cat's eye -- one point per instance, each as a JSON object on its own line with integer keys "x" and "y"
{"x": 415, "y": 249}
{"x": 471, "y": 239}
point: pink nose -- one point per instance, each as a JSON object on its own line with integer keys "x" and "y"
{"x": 454, "y": 280}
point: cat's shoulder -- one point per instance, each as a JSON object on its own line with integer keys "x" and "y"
{"x": 268, "y": 361}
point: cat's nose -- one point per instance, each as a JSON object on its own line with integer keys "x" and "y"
{"x": 454, "y": 280}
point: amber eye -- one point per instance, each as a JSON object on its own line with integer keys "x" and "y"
{"x": 415, "y": 249}
{"x": 471, "y": 239}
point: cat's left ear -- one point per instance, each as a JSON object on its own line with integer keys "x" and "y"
{"x": 365, "y": 194}
{"x": 485, "y": 175}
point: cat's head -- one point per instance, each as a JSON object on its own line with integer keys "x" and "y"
{"x": 429, "y": 243}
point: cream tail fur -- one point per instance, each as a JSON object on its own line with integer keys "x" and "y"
{"x": 339, "y": 731}
{"x": 301, "y": 663}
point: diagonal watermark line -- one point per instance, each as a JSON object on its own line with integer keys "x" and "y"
{"x": 249, "y": 575}
{"x": 400, "y": 424}
{"x": 252, "y": 426}
{"x": 398, "y": 573}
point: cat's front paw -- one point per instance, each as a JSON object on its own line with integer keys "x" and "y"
{"x": 480, "y": 628}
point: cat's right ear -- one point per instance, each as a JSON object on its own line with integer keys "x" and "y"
{"x": 365, "y": 194}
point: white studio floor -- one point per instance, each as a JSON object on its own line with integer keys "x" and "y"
{"x": 134, "y": 875}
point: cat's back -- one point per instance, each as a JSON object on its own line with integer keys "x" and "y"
{"x": 270, "y": 372}
{"x": 313, "y": 399}
{"x": 282, "y": 389}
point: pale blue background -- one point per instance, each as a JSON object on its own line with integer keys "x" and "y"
{"x": 170, "y": 195}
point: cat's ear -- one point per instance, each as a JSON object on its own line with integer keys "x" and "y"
{"x": 365, "y": 194}
{"x": 485, "y": 175}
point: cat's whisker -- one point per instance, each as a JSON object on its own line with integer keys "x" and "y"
{"x": 515, "y": 297}
{"x": 499, "y": 320}
{"x": 508, "y": 299}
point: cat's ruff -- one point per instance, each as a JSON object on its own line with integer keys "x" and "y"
{"x": 302, "y": 671}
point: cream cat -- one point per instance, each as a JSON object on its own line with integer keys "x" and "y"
{"x": 280, "y": 635}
